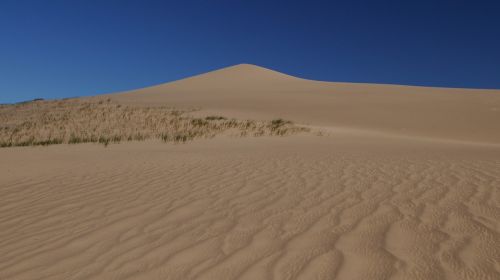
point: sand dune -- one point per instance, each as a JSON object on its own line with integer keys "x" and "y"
{"x": 248, "y": 91}
{"x": 404, "y": 183}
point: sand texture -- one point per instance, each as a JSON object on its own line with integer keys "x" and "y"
{"x": 385, "y": 193}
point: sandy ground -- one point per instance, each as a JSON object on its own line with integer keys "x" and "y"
{"x": 364, "y": 201}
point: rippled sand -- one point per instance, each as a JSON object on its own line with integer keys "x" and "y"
{"x": 299, "y": 207}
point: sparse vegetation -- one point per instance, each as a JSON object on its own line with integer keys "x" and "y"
{"x": 74, "y": 121}
{"x": 215, "y": 118}
{"x": 279, "y": 126}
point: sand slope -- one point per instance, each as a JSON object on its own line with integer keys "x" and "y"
{"x": 403, "y": 184}
{"x": 248, "y": 91}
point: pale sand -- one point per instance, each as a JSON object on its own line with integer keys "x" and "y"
{"x": 247, "y": 91}
{"x": 365, "y": 201}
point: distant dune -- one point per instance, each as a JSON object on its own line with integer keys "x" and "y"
{"x": 393, "y": 182}
{"x": 248, "y": 91}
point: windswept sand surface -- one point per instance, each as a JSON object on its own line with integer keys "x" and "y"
{"x": 301, "y": 207}
{"x": 403, "y": 184}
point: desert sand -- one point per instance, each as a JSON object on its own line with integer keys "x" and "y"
{"x": 392, "y": 182}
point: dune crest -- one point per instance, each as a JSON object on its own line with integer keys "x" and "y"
{"x": 248, "y": 91}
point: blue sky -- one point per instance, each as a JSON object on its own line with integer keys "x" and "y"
{"x": 54, "y": 49}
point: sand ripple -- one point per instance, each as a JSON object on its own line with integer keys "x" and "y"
{"x": 174, "y": 214}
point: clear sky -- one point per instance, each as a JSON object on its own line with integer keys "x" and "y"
{"x": 66, "y": 48}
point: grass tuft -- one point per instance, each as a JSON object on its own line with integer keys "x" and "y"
{"x": 215, "y": 118}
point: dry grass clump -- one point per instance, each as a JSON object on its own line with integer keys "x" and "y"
{"x": 75, "y": 121}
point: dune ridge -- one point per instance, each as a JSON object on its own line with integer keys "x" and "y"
{"x": 248, "y": 91}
